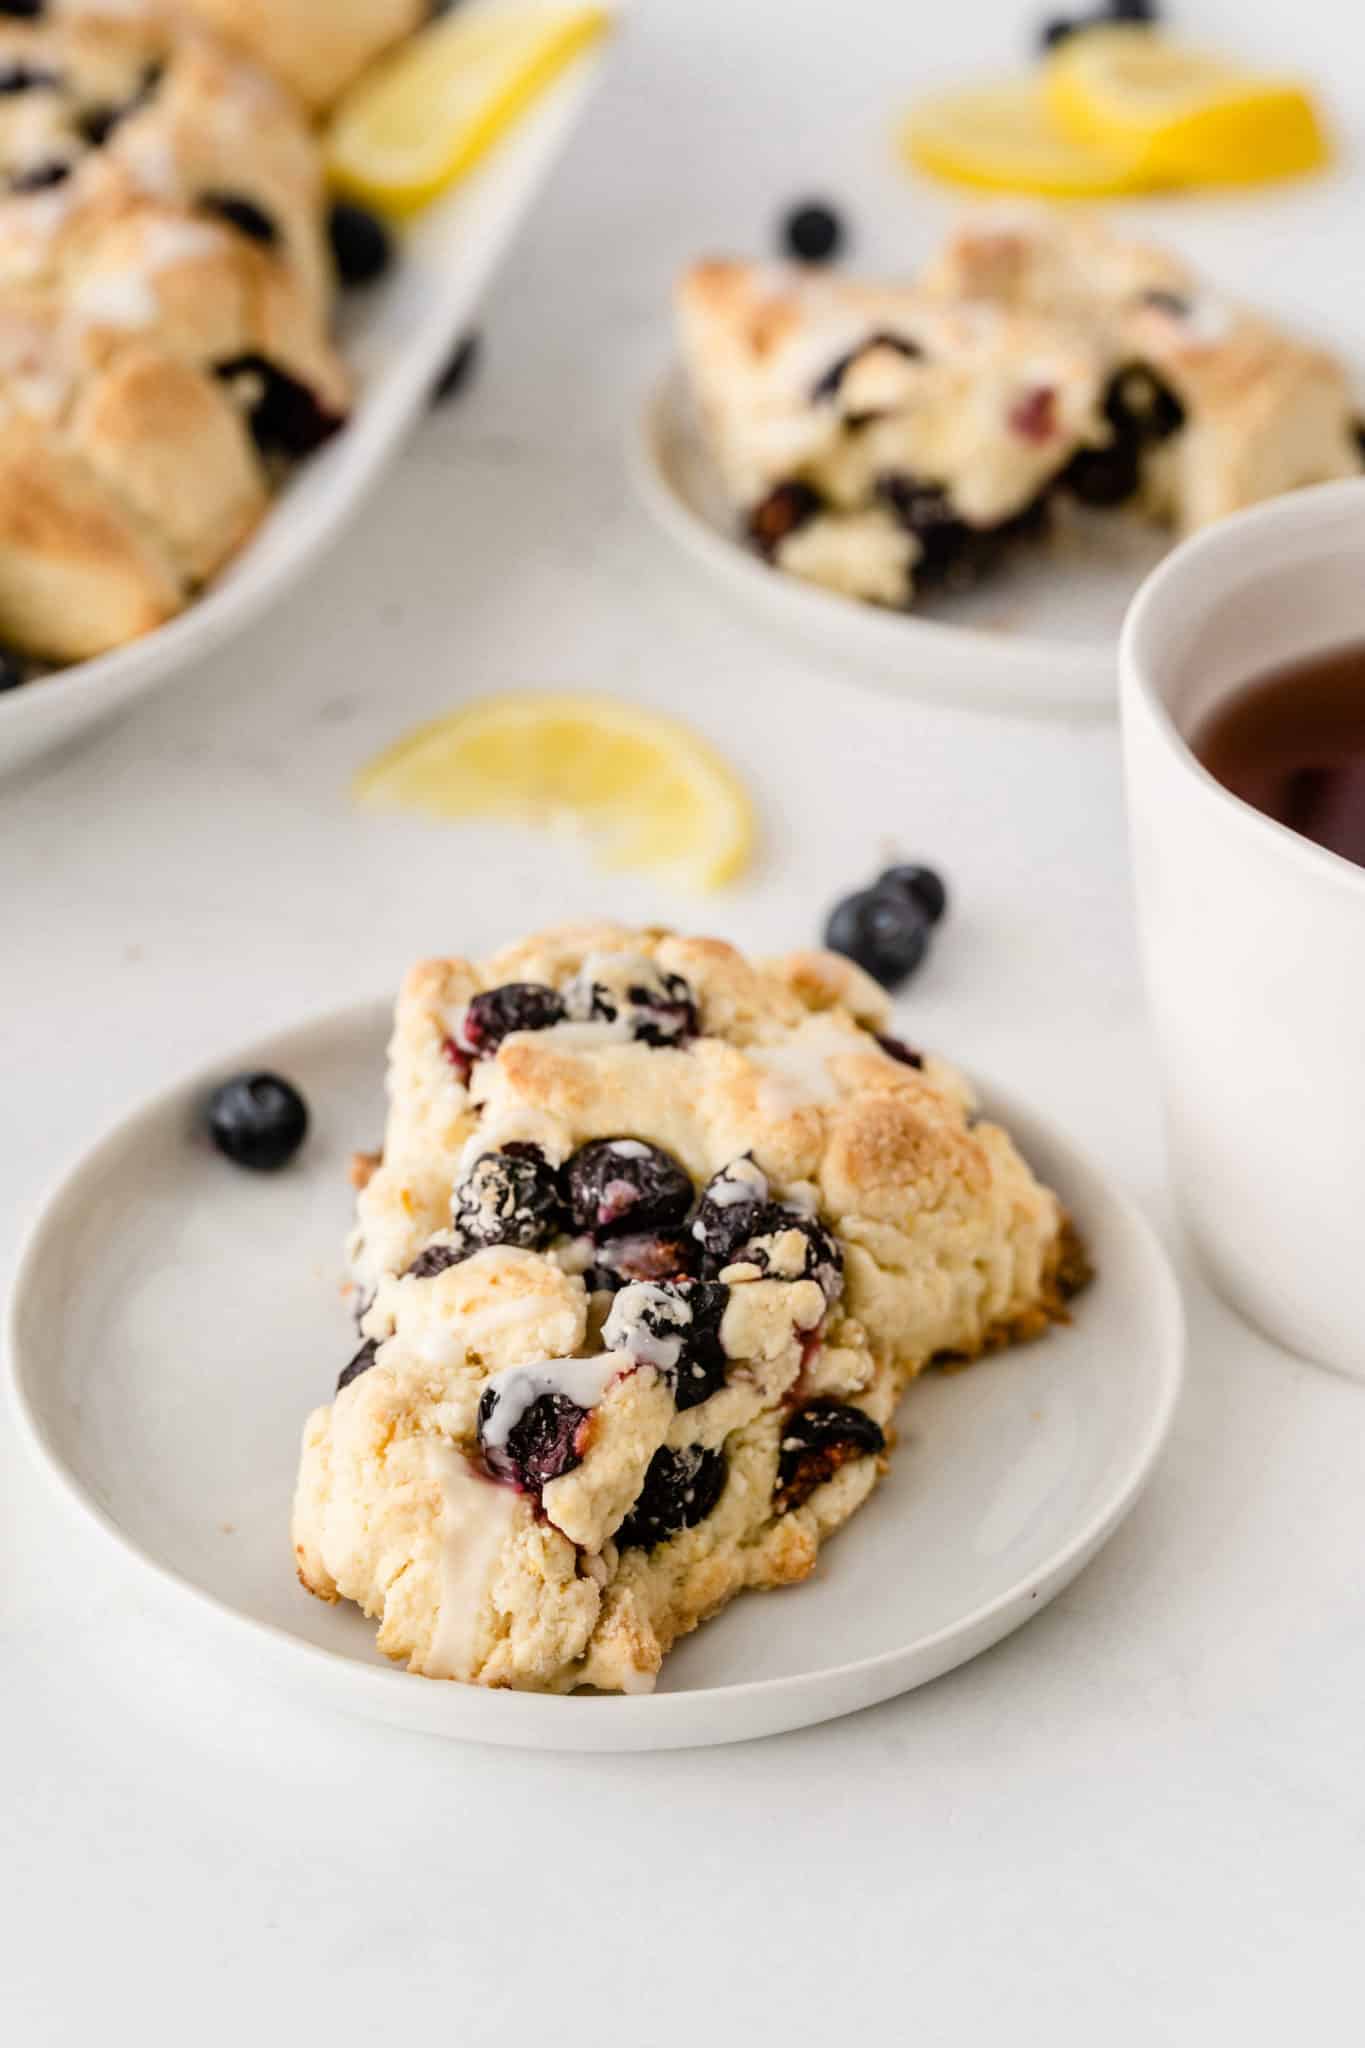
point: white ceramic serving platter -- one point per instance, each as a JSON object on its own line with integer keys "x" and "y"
{"x": 175, "y": 1318}
{"x": 397, "y": 337}
{"x": 1041, "y": 635}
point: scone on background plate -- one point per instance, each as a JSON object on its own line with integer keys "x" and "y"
{"x": 887, "y": 440}
{"x": 317, "y": 46}
{"x": 657, "y": 1239}
{"x": 165, "y": 290}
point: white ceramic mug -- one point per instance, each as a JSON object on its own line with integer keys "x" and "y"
{"x": 1254, "y": 937}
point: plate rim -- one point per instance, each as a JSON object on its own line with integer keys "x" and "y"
{"x": 1066, "y": 679}
{"x": 577, "y": 1721}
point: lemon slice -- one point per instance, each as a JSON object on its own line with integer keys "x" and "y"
{"x": 421, "y": 119}
{"x": 1188, "y": 117}
{"x": 1001, "y": 138}
{"x": 650, "y": 791}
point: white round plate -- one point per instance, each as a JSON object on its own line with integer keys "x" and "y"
{"x": 1041, "y": 635}
{"x": 396, "y": 338}
{"x": 175, "y": 1318}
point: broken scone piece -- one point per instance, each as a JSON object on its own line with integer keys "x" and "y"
{"x": 887, "y": 440}
{"x": 657, "y": 1239}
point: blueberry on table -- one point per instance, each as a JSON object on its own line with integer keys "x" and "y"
{"x": 12, "y": 672}
{"x": 883, "y": 931}
{"x": 458, "y": 370}
{"x": 258, "y": 1120}
{"x": 362, "y": 246}
{"x": 924, "y": 886}
{"x": 812, "y": 233}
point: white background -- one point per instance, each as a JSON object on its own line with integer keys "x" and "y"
{"x": 1141, "y": 1820}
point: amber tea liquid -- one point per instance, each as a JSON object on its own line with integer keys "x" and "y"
{"x": 1292, "y": 742}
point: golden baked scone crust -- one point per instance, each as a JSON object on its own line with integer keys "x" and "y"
{"x": 317, "y": 46}
{"x": 642, "y": 1279}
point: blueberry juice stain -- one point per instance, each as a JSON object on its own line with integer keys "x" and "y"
{"x": 1291, "y": 743}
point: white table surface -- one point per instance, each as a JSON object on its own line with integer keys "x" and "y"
{"x": 1141, "y": 1820}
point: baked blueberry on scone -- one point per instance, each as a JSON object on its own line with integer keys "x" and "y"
{"x": 656, "y": 1241}
{"x": 887, "y": 440}
{"x": 165, "y": 287}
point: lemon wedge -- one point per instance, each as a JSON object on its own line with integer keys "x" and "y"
{"x": 1001, "y": 138}
{"x": 418, "y": 121}
{"x": 1187, "y": 117}
{"x": 650, "y": 792}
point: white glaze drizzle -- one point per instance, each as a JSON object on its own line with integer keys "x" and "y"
{"x": 625, "y": 1329}
{"x": 582, "y": 1380}
{"x": 477, "y": 1518}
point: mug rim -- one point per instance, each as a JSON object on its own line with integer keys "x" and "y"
{"x": 1316, "y": 505}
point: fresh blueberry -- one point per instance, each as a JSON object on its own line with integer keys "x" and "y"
{"x": 509, "y": 1197}
{"x": 812, "y": 232}
{"x": 458, "y": 370}
{"x": 516, "y": 1006}
{"x": 924, "y": 886}
{"x": 241, "y": 213}
{"x": 732, "y": 1202}
{"x": 680, "y": 1490}
{"x": 786, "y": 507}
{"x": 540, "y": 1446}
{"x": 258, "y": 1120}
{"x": 362, "y": 246}
{"x": 883, "y": 931}
{"x": 816, "y": 1441}
{"x": 362, "y": 1362}
{"x": 1057, "y": 28}
{"x": 285, "y": 417}
{"x": 12, "y": 671}
{"x": 619, "y": 1186}
{"x": 38, "y": 177}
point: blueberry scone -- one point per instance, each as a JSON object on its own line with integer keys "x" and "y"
{"x": 885, "y": 440}
{"x": 655, "y": 1243}
{"x": 316, "y": 46}
{"x": 165, "y": 291}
